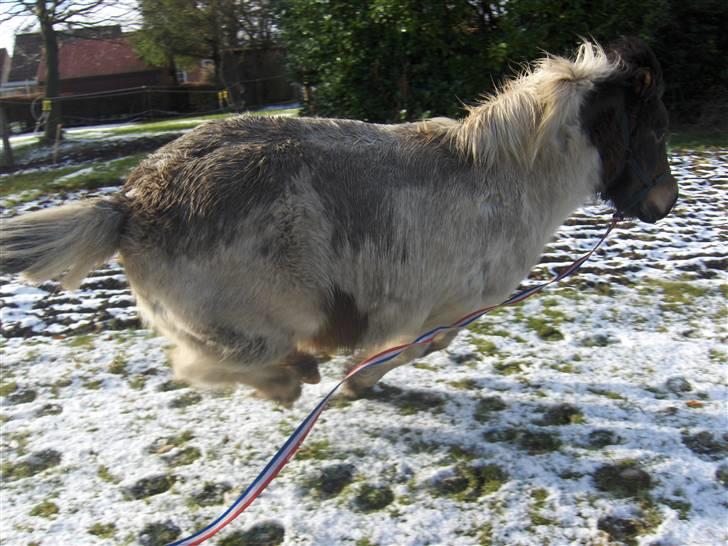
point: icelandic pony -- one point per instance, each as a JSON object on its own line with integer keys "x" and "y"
{"x": 255, "y": 243}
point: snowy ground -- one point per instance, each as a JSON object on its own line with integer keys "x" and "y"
{"x": 594, "y": 414}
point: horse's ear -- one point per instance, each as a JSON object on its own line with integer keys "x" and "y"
{"x": 644, "y": 82}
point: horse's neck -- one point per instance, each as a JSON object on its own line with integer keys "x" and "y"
{"x": 563, "y": 177}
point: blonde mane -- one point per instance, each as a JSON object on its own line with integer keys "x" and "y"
{"x": 523, "y": 117}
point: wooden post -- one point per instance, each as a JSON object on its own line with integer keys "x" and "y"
{"x": 8, "y": 159}
{"x": 55, "y": 144}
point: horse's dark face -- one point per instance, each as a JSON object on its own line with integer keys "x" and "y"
{"x": 627, "y": 121}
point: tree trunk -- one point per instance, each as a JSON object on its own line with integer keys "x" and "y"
{"x": 53, "y": 78}
{"x": 8, "y": 159}
{"x": 171, "y": 69}
{"x": 217, "y": 59}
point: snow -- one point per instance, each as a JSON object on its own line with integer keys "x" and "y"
{"x": 649, "y": 307}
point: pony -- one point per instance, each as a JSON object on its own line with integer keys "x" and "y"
{"x": 257, "y": 243}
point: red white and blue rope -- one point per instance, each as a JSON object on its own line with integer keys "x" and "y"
{"x": 284, "y": 454}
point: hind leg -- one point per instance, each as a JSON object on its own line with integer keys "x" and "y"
{"x": 275, "y": 375}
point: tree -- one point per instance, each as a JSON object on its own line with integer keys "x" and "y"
{"x": 688, "y": 38}
{"x": 389, "y": 60}
{"x": 52, "y": 14}
{"x": 385, "y": 60}
{"x": 176, "y": 31}
{"x": 171, "y": 31}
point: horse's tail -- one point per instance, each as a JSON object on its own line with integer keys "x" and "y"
{"x": 67, "y": 241}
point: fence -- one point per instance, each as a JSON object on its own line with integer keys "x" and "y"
{"x": 132, "y": 104}
{"x": 121, "y": 105}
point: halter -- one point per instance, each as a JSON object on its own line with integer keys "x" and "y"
{"x": 632, "y": 165}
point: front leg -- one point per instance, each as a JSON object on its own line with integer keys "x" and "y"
{"x": 362, "y": 382}
{"x": 442, "y": 341}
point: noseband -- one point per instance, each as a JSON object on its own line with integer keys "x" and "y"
{"x": 631, "y": 165}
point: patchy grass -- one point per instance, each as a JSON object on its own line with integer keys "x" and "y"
{"x": 676, "y": 295}
{"x": 682, "y": 507}
{"x": 184, "y": 123}
{"x": 7, "y": 388}
{"x": 486, "y": 406}
{"x": 318, "y": 451}
{"x": 118, "y": 366}
{"x": 186, "y": 456}
{"x": 167, "y": 443}
{"x": 544, "y": 328}
{"x": 93, "y": 384}
{"x": 508, "y": 368}
{"x": 538, "y": 498}
{"x": 412, "y": 402}
{"x": 697, "y": 140}
{"x": 330, "y": 481}
{"x": 137, "y": 382}
{"x": 370, "y": 498}
{"x": 485, "y": 535}
{"x": 464, "y": 384}
{"x": 31, "y": 465}
{"x": 485, "y": 347}
{"x": 469, "y": 483}
{"x": 608, "y": 394}
{"x": 105, "y": 474}
{"x": 84, "y": 340}
{"x": 102, "y": 530}
{"x": 45, "y": 509}
{"x": 624, "y": 479}
{"x": 32, "y": 185}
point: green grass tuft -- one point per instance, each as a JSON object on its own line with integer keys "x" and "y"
{"x": 697, "y": 140}
{"x": 32, "y": 185}
{"x": 8, "y": 388}
{"x": 102, "y": 530}
{"x": 319, "y": 451}
{"x": 45, "y": 509}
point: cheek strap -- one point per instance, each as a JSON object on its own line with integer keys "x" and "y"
{"x": 633, "y": 168}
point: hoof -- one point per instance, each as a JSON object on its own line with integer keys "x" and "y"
{"x": 353, "y": 390}
{"x": 280, "y": 386}
{"x": 284, "y": 397}
{"x": 305, "y": 367}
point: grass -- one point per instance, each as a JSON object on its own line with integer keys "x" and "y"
{"x": 102, "y": 530}
{"x": 45, "y": 509}
{"x": 83, "y": 340}
{"x": 469, "y": 483}
{"x": 319, "y": 451}
{"x": 676, "y": 295}
{"x": 31, "y": 185}
{"x": 105, "y": 474}
{"x": 8, "y": 388}
{"x": 177, "y": 124}
{"x": 697, "y": 140}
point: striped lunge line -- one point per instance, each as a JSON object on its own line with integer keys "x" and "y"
{"x": 285, "y": 453}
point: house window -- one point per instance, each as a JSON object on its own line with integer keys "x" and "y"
{"x": 182, "y": 76}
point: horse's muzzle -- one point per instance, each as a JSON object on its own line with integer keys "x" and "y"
{"x": 659, "y": 201}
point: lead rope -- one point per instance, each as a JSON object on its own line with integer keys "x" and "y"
{"x": 284, "y": 454}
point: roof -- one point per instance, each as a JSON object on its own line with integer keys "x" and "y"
{"x": 99, "y": 32}
{"x": 83, "y": 58}
{"x": 28, "y": 51}
{"x": 26, "y": 56}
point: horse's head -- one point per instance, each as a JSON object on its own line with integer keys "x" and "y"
{"x": 627, "y": 122}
